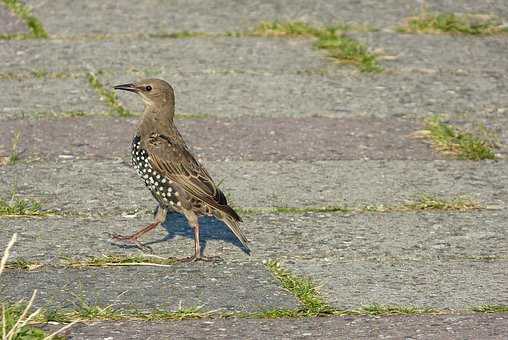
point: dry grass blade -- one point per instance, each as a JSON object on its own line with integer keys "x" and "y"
{"x": 61, "y": 330}
{"x": 7, "y": 252}
{"x": 23, "y": 319}
{"x": 4, "y": 323}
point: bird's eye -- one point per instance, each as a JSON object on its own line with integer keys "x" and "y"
{"x": 148, "y": 88}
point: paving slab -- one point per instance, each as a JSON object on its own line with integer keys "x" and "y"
{"x": 439, "y": 284}
{"x": 438, "y": 53}
{"x": 286, "y": 95}
{"x": 254, "y": 139}
{"x": 350, "y": 94}
{"x": 151, "y": 55}
{"x": 21, "y": 99}
{"x": 9, "y": 23}
{"x": 105, "y": 187}
{"x": 486, "y": 326}
{"x": 61, "y": 18}
{"x": 339, "y": 238}
{"x": 227, "y": 286}
{"x": 262, "y": 77}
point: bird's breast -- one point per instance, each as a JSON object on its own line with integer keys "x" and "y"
{"x": 162, "y": 188}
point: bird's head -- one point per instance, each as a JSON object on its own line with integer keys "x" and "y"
{"x": 155, "y": 93}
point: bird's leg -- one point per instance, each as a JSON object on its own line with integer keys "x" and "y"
{"x": 160, "y": 217}
{"x": 192, "y": 218}
{"x": 197, "y": 246}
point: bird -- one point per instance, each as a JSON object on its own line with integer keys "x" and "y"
{"x": 176, "y": 179}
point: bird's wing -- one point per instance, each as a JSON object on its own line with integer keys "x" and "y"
{"x": 174, "y": 161}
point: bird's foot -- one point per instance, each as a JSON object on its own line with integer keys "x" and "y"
{"x": 131, "y": 240}
{"x": 200, "y": 258}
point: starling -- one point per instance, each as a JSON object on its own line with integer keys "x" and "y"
{"x": 175, "y": 178}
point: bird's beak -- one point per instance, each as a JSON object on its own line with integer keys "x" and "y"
{"x": 127, "y": 87}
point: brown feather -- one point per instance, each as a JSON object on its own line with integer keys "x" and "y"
{"x": 174, "y": 161}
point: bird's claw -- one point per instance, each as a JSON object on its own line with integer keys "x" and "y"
{"x": 200, "y": 258}
{"x": 129, "y": 240}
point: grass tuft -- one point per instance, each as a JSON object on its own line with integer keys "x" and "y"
{"x": 463, "y": 145}
{"x": 427, "y": 202}
{"x": 15, "y": 319}
{"x": 387, "y": 310}
{"x": 332, "y": 39}
{"x": 21, "y": 207}
{"x": 424, "y": 202}
{"x": 22, "y": 11}
{"x": 303, "y": 288}
{"x": 113, "y": 260}
{"x": 12, "y": 313}
{"x": 19, "y": 36}
{"x": 178, "y": 35}
{"x": 470, "y": 24}
{"x": 286, "y": 29}
{"x": 110, "y": 96}
{"x": 23, "y": 264}
{"x": 85, "y": 312}
{"x": 14, "y": 155}
{"x": 491, "y": 309}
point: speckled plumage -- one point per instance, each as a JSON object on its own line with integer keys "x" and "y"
{"x": 175, "y": 178}
{"x": 160, "y": 186}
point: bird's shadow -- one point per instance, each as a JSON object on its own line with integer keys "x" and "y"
{"x": 210, "y": 229}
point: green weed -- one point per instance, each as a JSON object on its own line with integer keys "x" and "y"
{"x": 22, "y": 11}
{"x": 110, "y": 96}
{"x": 332, "y": 39}
{"x": 451, "y": 140}
{"x": 470, "y": 24}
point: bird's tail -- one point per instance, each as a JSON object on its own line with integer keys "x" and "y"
{"x": 233, "y": 224}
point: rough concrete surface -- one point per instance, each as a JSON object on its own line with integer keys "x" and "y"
{"x": 151, "y": 55}
{"x": 22, "y": 99}
{"x": 338, "y": 237}
{"x": 9, "y": 23}
{"x": 457, "y": 284}
{"x": 434, "y": 53}
{"x": 394, "y": 327}
{"x": 225, "y": 286}
{"x": 62, "y": 18}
